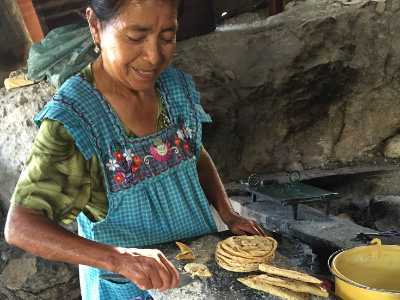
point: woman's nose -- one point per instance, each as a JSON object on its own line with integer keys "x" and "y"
{"x": 151, "y": 51}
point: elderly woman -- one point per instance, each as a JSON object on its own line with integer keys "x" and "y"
{"x": 119, "y": 148}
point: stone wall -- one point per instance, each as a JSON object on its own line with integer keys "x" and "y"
{"x": 314, "y": 87}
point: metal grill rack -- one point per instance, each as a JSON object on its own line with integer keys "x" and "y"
{"x": 293, "y": 193}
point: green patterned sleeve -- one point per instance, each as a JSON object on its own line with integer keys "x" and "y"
{"x": 55, "y": 181}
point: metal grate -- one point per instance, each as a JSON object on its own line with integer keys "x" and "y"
{"x": 293, "y": 193}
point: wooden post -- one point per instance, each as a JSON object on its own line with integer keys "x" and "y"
{"x": 31, "y": 20}
{"x": 276, "y": 7}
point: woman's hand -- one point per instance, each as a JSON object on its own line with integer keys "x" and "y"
{"x": 215, "y": 193}
{"x": 148, "y": 269}
{"x": 36, "y": 233}
{"x": 239, "y": 225}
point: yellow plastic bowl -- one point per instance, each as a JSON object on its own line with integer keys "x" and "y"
{"x": 367, "y": 272}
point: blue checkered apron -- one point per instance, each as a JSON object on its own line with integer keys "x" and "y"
{"x": 152, "y": 183}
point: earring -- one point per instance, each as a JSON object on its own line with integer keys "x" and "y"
{"x": 96, "y": 48}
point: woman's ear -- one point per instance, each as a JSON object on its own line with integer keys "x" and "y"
{"x": 94, "y": 25}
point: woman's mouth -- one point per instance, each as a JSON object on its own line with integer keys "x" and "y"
{"x": 145, "y": 73}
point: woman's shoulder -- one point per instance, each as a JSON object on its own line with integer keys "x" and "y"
{"x": 88, "y": 74}
{"x": 54, "y": 131}
{"x": 80, "y": 85}
{"x": 175, "y": 78}
{"x": 171, "y": 73}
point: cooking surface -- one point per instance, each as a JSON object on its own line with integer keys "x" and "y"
{"x": 223, "y": 285}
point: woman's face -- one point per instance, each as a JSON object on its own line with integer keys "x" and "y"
{"x": 139, "y": 44}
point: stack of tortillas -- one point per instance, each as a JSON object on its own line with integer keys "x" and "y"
{"x": 245, "y": 253}
{"x": 287, "y": 284}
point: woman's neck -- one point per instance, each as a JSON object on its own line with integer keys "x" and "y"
{"x": 138, "y": 110}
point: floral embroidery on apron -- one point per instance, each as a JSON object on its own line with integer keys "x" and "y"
{"x": 127, "y": 165}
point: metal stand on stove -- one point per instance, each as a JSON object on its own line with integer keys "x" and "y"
{"x": 293, "y": 193}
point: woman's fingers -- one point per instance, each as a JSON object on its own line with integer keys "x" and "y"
{"x": 168, "y": 275}
{"x": 258, "y": 229}
{"x": 240, "y": 226}
{"x": 173, "y": 272}
{"x": 144, "y": 284}
{"x": 162, "y": 279}
{"x": 150, "y": 278}
{"x": 152, "y": 270}
{"x": 158, "y": 281}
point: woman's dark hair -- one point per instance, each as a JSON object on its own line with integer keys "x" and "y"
{"x": 106, "y": 10}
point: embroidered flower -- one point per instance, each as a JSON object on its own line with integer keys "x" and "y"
{"x": 137, "y": 160}
{"x": 184, "y": 132}
{"x": 135, "y": 169}
{"x": 181, "y": 134}
{"x": 162, "y": 151}
{"x": 119, "y": 177}
{"x": 178, "y": 141}
{"x": 188, "y": 132}
{"x": 118, "y": 155}
{"x": 186, "y": 146}
{"x": 112, "y": 164}
{"x": 128, "y": 155}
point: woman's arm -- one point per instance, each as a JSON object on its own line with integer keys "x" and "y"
{"x": 40, "y": 205}
{"x": 215, "y": 193}
{"x": 36, "y": 233}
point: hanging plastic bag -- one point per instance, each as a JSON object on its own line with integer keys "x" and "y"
{"x": 64, "y": 52}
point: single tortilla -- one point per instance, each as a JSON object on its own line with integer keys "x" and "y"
{"x": 293, "y": 284}
{"x": 273, "y": 290}
{"x": 186, "y": 252}
{"x": 197, "y": 270}
{"x": 288, "y": 274}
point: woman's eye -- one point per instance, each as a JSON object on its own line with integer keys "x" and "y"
{"x": 135, "y": 40}
{"x": 168, "y": 40}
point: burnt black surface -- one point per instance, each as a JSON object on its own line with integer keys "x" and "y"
{"x": 223, "y": 285}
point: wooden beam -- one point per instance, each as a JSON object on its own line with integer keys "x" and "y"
{"x": 31, "y": 20}
{"x": 276, "y": 7}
